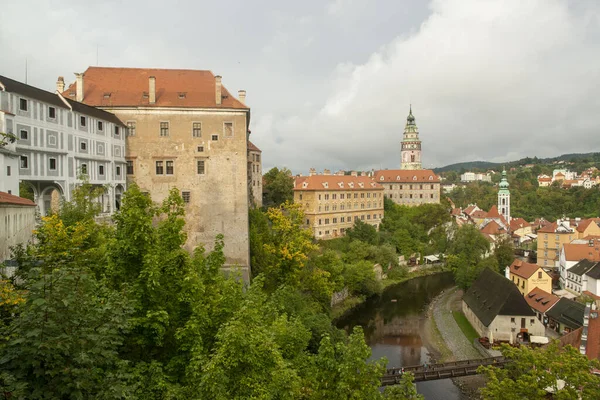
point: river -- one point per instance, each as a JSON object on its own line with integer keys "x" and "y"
{"x": 395, "y": 327}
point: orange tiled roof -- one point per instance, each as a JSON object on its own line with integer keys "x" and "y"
{"x": 479, "y": 214}
{"x": 252, "y": 147}
{"x": 335, "y": 182}
{"x": 545, "y": 179}
{"x": 577, "y": 252}
{"x": 405, "y": 176}
{"x": 6, "y": 198}
{"x": 583, "y": 225}
{"x": 492, "y": 228}
{"x": 523, "y": 269}
{"x": 518, "y": 223}
{"x": 540, "y": 300}
{"x": 470, "y": 209}
{"x": 125, "y": 87}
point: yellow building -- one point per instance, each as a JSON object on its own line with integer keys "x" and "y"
{"x": 332, "y": 203}
{"x": 409, "y": 187}
{"x": 552, "y": 237}
{"x": 528, "y": 276}
{"x": 185, "y": 131}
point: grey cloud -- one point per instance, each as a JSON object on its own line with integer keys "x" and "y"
{"x": 329, "y": 83}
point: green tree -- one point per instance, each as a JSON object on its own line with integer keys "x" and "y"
{"x": 504, "y": 253}
{"x": 405, "y": 390}
{"x": 278, "y": 187}
{"x": 531, "y": 372}
{"x": 364, "y": 232}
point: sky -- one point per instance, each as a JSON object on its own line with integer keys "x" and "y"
{"x": 330, "y": 82}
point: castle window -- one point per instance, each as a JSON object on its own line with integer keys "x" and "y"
{"x": 23, "y": 134}
{"x": 160, "y": 168}
{"x": 24, "y": 162}
{"x": 129, "y": 167}
{"x": 201, "y": 169}
{"x": 186, "y": 196}
{"x": 169, "y": 167}
{"x": 164, "y": 128}
{"x": 196, "y": 129}
{"x": 130, "y": 128}
{"x": 228, "y": 129}
{"x": 101, "y": 170}
{"x": 23, "y": 104}
{"x": 52, "y": 164}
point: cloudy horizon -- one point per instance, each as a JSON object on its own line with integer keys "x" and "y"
{"x": 330, "y": 83}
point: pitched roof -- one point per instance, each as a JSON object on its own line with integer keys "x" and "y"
{"x": 94, "y": 112}
{"x": 252, "y": 147}
{"x": 518, "y": 223}
{"x": 405, "y": 176}
{"x": 492, "y": 294}
{"x": 594, "y": 272}
{"x": 584, "y": 224}
{"x": 493, "y": 213}
{"x": 567, "y": 312}
{"x": 6, "y": 199}
{"x": 548, "y": 179}
{"x": 470, "y": 209}
{"x": 479, "y": 214}
{"x": 540, "y": 300}
{"x": 335, "y": 182}
{"x": 553, "y": 227}
{"x": 523, "y": 269}
{"x": 492, "y": 228}
{"x": 128, "y": 87}
{"x": 32, "y": 92}
{"x": 583, "y": 266}
{"x": 577, "y": 252}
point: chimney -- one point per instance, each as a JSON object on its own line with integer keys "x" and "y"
{"x": 326, "y": 172}
{"x": 60, "y": 84}
{"x": 218, "y": 90}
{"x": 242, "y": 96}
{"x": 152, "y": 90}
{"x": 79, "y": 80}
{"x": 312, "y": 172}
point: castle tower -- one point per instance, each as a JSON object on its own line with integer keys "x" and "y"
{"x": 411, "y": 145}
{"x": 504, "y": 198}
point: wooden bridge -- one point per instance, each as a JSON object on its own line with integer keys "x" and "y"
{"x": 440, "y": 371}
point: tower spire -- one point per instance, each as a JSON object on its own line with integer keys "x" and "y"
{"x": 411, "y": 144}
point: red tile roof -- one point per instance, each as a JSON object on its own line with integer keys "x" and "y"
{"x": 470, "y": 209}
{"x": 523, "y": 269}
{"x": 545, "y": 179}
{"x": 405, "y": 176}
{"x": 492, "y": 228}
{"x": 479, "y": 214}
{"x": 518, "y": 223}
{"x": 493, "y": 213}
{"x": 577, "y": 252}
{"x": 540, "y": 300}
{"x": 6, "y": 198}
{"x": 335, "y": 182}
{"x": 584, "y": 224}
{"x": 125, "y": 87}
{"x": 252, "y": 147}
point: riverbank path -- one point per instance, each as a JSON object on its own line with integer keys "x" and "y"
{"x": 456, "y": 341}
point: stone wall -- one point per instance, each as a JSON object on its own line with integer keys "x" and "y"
{"x": 16, "y": 227}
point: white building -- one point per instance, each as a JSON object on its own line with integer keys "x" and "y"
{"x": 17, "y": 221}
{"x": 57, "y": 141}
{"x": 472, "y": 177}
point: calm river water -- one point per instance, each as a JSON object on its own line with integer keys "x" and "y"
{"x": 394, "y": 326}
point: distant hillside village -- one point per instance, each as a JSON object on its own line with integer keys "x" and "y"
{"x": 540, "y": 300}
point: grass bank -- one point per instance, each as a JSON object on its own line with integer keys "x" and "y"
{"x": 465, "y": 325}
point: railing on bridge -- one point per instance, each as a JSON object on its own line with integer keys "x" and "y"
{"x": 441, "y": 370}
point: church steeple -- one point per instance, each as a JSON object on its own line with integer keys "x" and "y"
{"x": 504, "y": 197}
{"x": 411, "y": 144}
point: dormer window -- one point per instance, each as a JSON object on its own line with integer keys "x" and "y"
{"x": 341, "y": 184}
{"x": 107, "y": 95}
{"x": 304, "y": 185}
{"x": 361, "y": 184}
{"x": 325, "y": 185}
{"x": 145, "y": 95}
{"x": 351, "y": 184}
{"x": 398, "y": 177}
{"x": 414, "y": 178}
{"x": 381, "y": 178}
{"x": 181, "y": 95}
{"x": 431, "y": 178}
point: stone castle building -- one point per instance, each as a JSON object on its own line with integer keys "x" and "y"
{"x": 185, "y": 131}
{"x": 254, "y": 175}
{"x": 411, "y": 145}
{"x": 410, "y": 185}
{"x": 56, "y": 141}
{"x": 332, "y": 203}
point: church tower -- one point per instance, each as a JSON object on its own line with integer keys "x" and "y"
{"x": 411, "y": 145}
{"x": 504, "y": 198}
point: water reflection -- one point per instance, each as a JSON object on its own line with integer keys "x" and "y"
{"x": 394, "y": 326}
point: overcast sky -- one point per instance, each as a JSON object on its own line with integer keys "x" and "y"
{"x": 330, "y": 82}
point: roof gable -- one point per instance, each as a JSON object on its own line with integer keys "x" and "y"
{"x": 567, "y": 312}
{"x": 492, "y": 294}
{"x": 524, "y": 269}
{"x": 32, "y": 92}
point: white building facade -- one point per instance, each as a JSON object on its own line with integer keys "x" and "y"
{"x": 57, "y": 141}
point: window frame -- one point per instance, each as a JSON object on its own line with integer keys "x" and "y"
{"x": 129, "y": 167}
{"x": 23, "y": 101}
{"x": 172, "y": 166}
{"x": 101, "y": 170}
{"x": 202, "y": 163}
{"x": 50, "y": 162}
{"x": 159, "y": 164}
{"x": 51, "y": 110}
{"x": 164, "y": 126}
{"x": 196, "y": 130}
{"x": 131, "y": 126}
{"x": 186, "y": 195}
{"x": 83, "y": 168}
{"x": 21, "y": 134}
{"x": 100, "y": 126}
{"x": 24, "y": 160}
{"x": 214, "y": 137}
{"x": 83, "y": 121}
{"x": 225, "y": 124}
